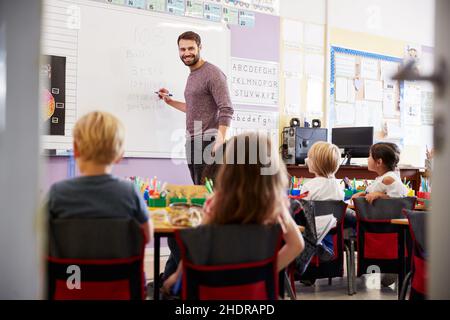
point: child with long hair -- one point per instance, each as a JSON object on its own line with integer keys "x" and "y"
{"x": 251, "y": 188}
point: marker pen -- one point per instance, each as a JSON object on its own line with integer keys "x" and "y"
{"x": 164, "y": 94}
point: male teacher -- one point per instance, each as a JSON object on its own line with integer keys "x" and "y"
{"x": 208, "y": 105}
{"x": 208, "y": 111}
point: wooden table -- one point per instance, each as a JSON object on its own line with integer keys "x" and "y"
{"x": 403, "y": 222}
{"x": 361, "y": 172}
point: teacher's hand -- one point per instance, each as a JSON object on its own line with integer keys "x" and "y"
{"x": 164, "y": 95}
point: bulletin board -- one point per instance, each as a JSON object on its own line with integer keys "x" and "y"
{"x": 362, "y": 92}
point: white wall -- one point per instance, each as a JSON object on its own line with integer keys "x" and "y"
{"x": 313, "y": 11}
{"x": 20, "y": 254}
{"x": 408, "y": 20}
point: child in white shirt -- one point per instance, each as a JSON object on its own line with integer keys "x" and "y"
{"x": 383, "y": 159}
{"x": 323, "y": 161}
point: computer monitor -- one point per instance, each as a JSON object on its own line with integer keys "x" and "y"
{"x": 356, "y": 141}
{"x": 304, "y": 139}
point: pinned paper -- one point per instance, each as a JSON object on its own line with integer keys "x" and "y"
{"x": 315, "y": 65}
{"x": 314, "y": 98}
{"x": 314, "y": 34}
{"x": 389, "y": 104}
{"x": 292, "y": 63}
{"x": 345, "y": 65}
{"x": 388, "y": 69}
{"x": 427, "y": 108}
{"x": 393, "y": 129}
{"x": 351, "y": 93}
{"x": 361, "y": 114}
{"x": 369, "y": 69}
{"x": 358, "y": 84}
{"x": 292, "y": 33}
{"x": 292, "y": 95}
{"x": 345, "y": 114}
{"x": 341, "y": 89}
{"x": 412, "y": 99}
{"x": 373, "y": 90}
{"x": 375, "y": 111}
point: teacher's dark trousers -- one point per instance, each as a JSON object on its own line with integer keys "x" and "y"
{"x": 197, "y": 160}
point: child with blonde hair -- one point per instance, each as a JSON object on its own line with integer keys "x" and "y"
{"x": 323, "y": 161}
{"x": 98, "y": 145}
{"x": 247, "y": 193}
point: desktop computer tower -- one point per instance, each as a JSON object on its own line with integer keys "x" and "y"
{"x": 296, "y": 142}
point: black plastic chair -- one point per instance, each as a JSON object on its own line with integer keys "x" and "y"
{"x": 103, "y": 256}
{"x": 309, "y": 265}
{"x": 229, "y": 262}
{"x": 379, "y": 242}
{"x": 416, "y": 280}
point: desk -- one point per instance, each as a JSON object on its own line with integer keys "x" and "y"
{"x": 161, "y": 231}
{"x": 360, "y": 172}
{"x": 402, "y": 222}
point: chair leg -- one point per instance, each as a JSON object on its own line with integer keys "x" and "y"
{"x": 349, "y": 272}
{"x": 353, "y": 264}
{"x": 291, "y": 276}
{"x": 404, "y": 287}
{"x": 288, "y": 286}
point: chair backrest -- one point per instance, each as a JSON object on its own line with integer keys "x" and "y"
{"x": 107, "y": 254}
{"x": 229, "y": 261}
{"x": 383, "y": 209}
{"x": 417, "y": 226}
{"x": 308, "y": 264}
{"x": 378, "y": 241}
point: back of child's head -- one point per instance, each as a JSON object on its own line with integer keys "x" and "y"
{"x": 388, "y": 152}
{"x": 251, "y": 184}
{"x": 324, "y": 158}
{"x": 99, "y": 137}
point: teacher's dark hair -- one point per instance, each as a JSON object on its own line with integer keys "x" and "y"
{"x": 190, "y": 35}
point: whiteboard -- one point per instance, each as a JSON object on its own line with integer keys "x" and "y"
{"x": 123, "y": 55}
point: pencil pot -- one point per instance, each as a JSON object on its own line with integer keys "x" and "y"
{"x": 349, "y": 193}
{"x": 178, "y": 200}
{"x": 423, "y": 197}
{"x": 198, "y": 201}
{"x": 157, "y": 203}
